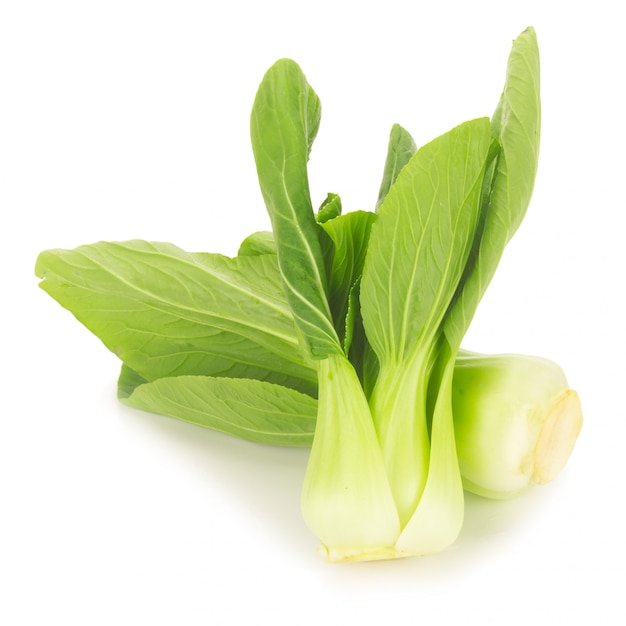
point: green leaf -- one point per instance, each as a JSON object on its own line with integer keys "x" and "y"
{"x": 330, "y": 208}
{"x": 128, "y": 381}
{"x": 349, "y": 235}
{"x": 516, "y": 124}
{"x": 401, "y": 149}
{"x": 284, "y": 121}
{"x": 261, "y": 242}
{"x": 167, "y": 312}
{"x": 421, "y": 240}
{"x": 249, "y": 409}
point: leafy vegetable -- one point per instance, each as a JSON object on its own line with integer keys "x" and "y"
{"x": 343, "y": 332}
{"x": 166, "y": 312}
{"x": 285, "y": 120}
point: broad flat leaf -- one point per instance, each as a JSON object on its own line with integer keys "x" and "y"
{"x": 248, "y": 409}
{"x": 284, "y": 121}
{"x": 421, "y": 241}
{"x": 401, "y": 149}
{"x": 167, "y": 312}
{"x": 516, "y": 125}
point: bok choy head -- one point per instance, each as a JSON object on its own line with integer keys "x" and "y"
{"x": 383, "y": 478}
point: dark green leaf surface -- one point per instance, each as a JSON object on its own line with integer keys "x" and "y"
{"x": 284, "y": 121}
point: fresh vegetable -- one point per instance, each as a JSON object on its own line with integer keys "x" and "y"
{"x": 344, "y": 331}
{"x": 383, "y": 478}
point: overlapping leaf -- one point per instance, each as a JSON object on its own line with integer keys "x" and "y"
{"x": 421, "y": 241}
{"x": 166, "y": 312}
{"x": 284, "y": 123}
{"x": 249, "y": 409}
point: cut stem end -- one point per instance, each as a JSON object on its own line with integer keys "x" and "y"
{"x": 557, "y": 438}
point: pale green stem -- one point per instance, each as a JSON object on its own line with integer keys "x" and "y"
{"x": 438, "y": 517}
{"x": 346, "y": 498}
{"x": 398, "y": 406}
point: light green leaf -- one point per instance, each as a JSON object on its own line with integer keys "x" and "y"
{"x": 401, "y": 149}
{"x": 261, "y": 242}
{"x": 167, "y": 312}
{"x": 284, "y": 121}
{"x": 421, "y": 241}
{"x": 516, "y": 124}
{"x": 248, "y": 409}
{"x": 348, "y": 236}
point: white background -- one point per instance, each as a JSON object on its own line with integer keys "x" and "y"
{"x": 124, "y": 120}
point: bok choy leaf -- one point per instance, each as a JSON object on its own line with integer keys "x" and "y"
{"x": 165, "y": 312}
{"x": 249, "y": 409}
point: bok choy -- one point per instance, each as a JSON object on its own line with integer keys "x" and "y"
{"x": 344, "y": 331}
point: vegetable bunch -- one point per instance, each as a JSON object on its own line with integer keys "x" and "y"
{"x": 344, "y": 331}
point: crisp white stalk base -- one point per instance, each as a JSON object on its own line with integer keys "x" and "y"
{"x": 438, "y": 518}
{"x": 398, "y": 406}
{"x": 516, "y": 422}
{"x": 346, "y": 498}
